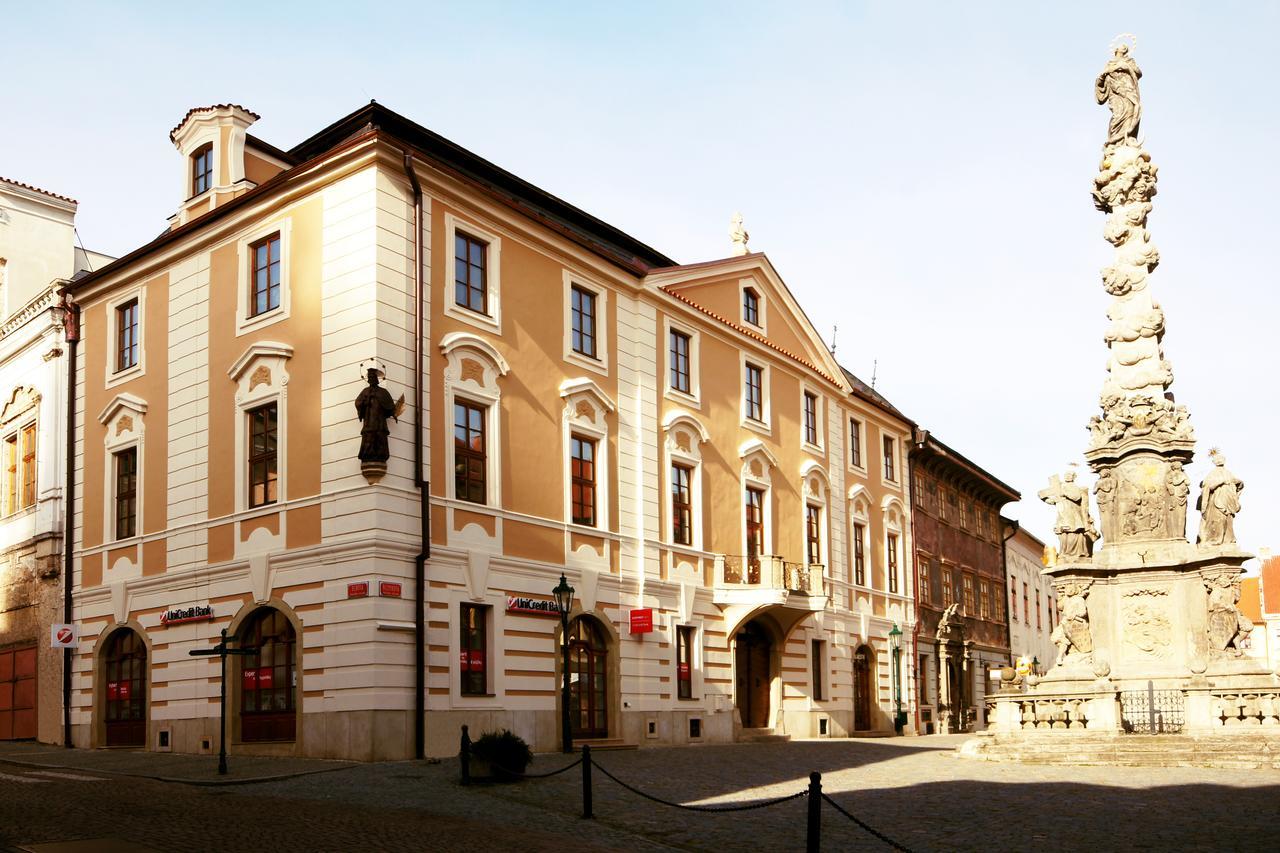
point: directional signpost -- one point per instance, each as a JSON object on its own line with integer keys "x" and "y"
{"x": 221, "y": 650}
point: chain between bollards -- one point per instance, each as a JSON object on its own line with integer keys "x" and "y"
{"x": 586, "y": 781}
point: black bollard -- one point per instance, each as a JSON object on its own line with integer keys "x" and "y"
{"x": 813, "y": 837}
{"x": 586, "y": 781}
{"x": 464, "y": 756}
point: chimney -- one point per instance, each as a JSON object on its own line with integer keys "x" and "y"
{"x": 211, "y": 141}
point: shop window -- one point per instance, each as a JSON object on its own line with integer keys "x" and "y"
{"x": 684, "y": 662}
{"x": 473, "y": 663}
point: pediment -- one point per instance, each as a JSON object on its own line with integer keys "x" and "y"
{"x": 126, "y": 402}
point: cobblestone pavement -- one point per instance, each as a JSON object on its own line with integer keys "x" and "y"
{"x": 915, "y": 790}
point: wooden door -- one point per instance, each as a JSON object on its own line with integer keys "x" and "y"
{"x": 862, "y": 690}
{"x": 18, "y": 693}
{"x": 753, "y": 655}
{"x": 125, "y": 691}
{"x": 588, "y": 680}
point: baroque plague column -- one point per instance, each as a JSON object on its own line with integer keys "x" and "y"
{"x": 1149, "y": 605}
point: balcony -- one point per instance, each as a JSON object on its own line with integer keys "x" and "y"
{"x": 768, "y": 580}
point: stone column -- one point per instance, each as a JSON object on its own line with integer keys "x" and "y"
{"x": 944, "y": 690}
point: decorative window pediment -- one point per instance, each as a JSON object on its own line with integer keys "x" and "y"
{"x": 684, "y": 436}
{"x": 472, "y": 358}
{"x": 22, "y": 401}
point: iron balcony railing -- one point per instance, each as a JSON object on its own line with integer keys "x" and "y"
{"x": 768, "y": 572}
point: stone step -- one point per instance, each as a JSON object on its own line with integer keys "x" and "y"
{"x": 761, "y": 736}
{"x": 603, "y": 744}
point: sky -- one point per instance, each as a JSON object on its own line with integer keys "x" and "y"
{"x": 918, "y": 173}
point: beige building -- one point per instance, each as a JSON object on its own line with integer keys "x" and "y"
{"x": 38, "y": 253}
{"x": 676, "y": 440}
{"x": 1033, "y": 602}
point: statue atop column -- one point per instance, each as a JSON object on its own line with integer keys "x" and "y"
{"x": 1219, "y": 503}
{"x": 1074, "y": 526}
{"x": 1117, "y": 87}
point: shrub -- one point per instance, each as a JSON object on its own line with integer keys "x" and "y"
{"x": 506, "y": 752}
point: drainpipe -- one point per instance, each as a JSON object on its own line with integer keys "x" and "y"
{"x": 71, "y": 332}
{"x": 915, "y": 554}
{"x": 424, "y": 487}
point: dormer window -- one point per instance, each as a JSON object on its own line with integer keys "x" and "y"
{"x": 202, "y": 169}
{"x": 751, "y": 306}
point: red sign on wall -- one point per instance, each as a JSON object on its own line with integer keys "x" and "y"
{"x": 124, "y": 690}
{"x": 471, "y": 660}
{"x": 266, "y": 677}
{"x": 389, "y": 589}
{"x": 359, "y": 589}
{"x": 113, "y": 690}
{"x": 249, "y": 679}
{"x": 642, "y": 620}
{"x": 682, "y": 671}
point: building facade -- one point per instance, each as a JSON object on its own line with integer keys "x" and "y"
{"x": 37, "y": 255}
{"x": 729, "y": 505}
{"x": 959, "y": 563}
{"x": 1033, "y": 602}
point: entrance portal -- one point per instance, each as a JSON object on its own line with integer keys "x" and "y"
{"x": 268, "y": 683}
{"x": 125, "y": 693}
{"x": 862, "y": 661}
{"x": 753, "y": 658}
{"x": 18, "y": 693}
{"x": 588, "y": 679}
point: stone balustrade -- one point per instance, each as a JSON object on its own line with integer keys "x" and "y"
{"x": 1245, "y": 708}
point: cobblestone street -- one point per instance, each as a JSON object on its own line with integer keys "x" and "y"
{"x": 914, "y": 790}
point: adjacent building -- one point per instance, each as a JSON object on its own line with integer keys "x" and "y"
{"x": 1033, "y": 602}
{"x": 962, "y": 632}
{"x": 38, "y": 254}
{"x": 675, "y": 440}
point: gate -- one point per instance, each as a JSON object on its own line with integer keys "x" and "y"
{"x": 18, "y": 693}
{"x": 1151, "y": 711}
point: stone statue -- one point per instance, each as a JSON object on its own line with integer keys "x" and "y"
{"x": 1104, "y": 492}
{"x": 1228, "y": 627}
{"x": 1072, "y": 635}
{"x": 1219, "y": 503}
{"x": 1178, "y": 487}
{"x": 374, "y": 406}
{"x": 1117, "y": 87}
{"x": 738, "y": 235}
{"x": 1076, "y": 533}
{"x": 948, "y": 616}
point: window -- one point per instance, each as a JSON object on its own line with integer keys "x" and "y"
{"x": 470, "y": 289}
{"x": 944, "y": 505}
{"x": 583, "y": 312}
{"x": 891, "y": 547}
{"x": 28, "y": 466}
{"x": 817, "y": 654}
{"x": 681, "y": 505}
{"x": 981, "y": 518}
{"x": 126, "y": 468}
{"x": 890, "y": 457}
{"x": 202, "y": 169}
{"x": 1013, "y": 599}
{"x": 813, "y": 534}
{"x": 471, "y": 650}
{"x": 810, "y": 418}
{"x": 754, "y": 392}
{"x": 997, "y": 603}
{"x": 684, "y": 662}
{"x": 751, "y": 306}
{"x": 969, "y": 609}
{"x": 948, "y": 592}
{"x": 859, "y": 554}
{"x": 264, "y": 275}
{"x": 680, "y": 361}
{"x": 582, "y": 472}
{"x": 922, "y": 678}
{"x": 1026, "y": 605}
{"x": 12, "y": 473}
{"x": 755, "y": 523}
{"x": 1039, "y": 617}
{"x": 918, "y": 488}
{"x": 262, "y": 455}
{"x": 922, "y": 591}
{"x": 855, "y": 443}
{"x": 984, "y": 600}
{"x": 469, "y": 457}
{"x": 126, "y": 335}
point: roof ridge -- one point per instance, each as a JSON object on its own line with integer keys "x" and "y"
{"x": 207, "y": 109}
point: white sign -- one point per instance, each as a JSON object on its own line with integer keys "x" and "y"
{"x": 63, "y": 636}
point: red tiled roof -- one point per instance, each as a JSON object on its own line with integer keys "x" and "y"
{"x": 37, "y": 189}
{"x": 208, "y": 109}
{"x": 756, "y": 336}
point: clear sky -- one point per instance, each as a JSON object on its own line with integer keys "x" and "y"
{"x": 918, "y": 173}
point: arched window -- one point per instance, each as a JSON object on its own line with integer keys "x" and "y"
{"x": 268, "y": 681}
{"x": 125, "y": 692}
{"x": 588, "y": 679}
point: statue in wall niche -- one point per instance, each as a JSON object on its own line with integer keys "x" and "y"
{"x": 374, "y": 405}
{"x": 1219, "y": 503}
{"x": 1072, "y": 635}
{"x": 1178, "y": 487}
{"x": 1228, "y": 627}
{"x": 1117, "y": 87}
{"x": 1074, "y": 526}
{"x": 1104, "y": 492}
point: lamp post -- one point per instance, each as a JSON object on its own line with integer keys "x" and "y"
{"x": 564, "y": 602}
{"x": 895, "y": 646}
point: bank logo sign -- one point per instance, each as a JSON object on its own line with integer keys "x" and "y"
{"x": 195, "y": 613}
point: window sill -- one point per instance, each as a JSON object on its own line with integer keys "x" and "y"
{"x": 754, "y": 425}
{"x": 253, "y": 323}
{"x": 489, "y": 323}
{"x": 128, "y": 374}
{"x": 815, "y": 449}
{"x": 597, "y": 365}
{"x": 684, "y": 398}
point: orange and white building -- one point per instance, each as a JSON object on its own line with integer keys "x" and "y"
{"x": 675, "y": 439}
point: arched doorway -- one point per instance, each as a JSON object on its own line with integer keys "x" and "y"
{"x": 588, "y": 679}
{"x": 753, "y": 658}
{"x": 863, "y": 662}
{"x": 124, "y": 661}
{"x": 268, "y": 680}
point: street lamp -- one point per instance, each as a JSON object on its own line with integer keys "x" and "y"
{"x": 895, "y": 646}
{"x": 564, "y": 601}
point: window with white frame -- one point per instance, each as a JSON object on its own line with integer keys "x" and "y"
{"x": 126, "y": 335}
{"x": 757, "y": 530}
{"x": 472, "y": 397}
{"x": 891, "y": 560}
{"x": 855, "y": 442}
{"x": 682, "y": 448}
{"x": 263, "y": 280}
{"x": 753, "y": 308}
{"x": 20, "y": 468}
{"x": 818, "y": 664}
{"x": 586, "y": 339}
{"x": 261, "y": 379}
{"x": 123, "y": 462}
{"x": 682, "y": 364}
{"x": 474, "y": 277}
{"x": 684, "y": 661}
{"x": 586, "y": 443}
{"x": 124, "y": 468}
{"x": 890, "y": 459}
{"x": 811, "y": 419}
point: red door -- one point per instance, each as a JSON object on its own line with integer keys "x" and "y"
{"x": 18, "y": 693}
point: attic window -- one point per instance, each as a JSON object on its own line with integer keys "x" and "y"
{"x": 202, "y": 169}
{"x": 751, "y": 306}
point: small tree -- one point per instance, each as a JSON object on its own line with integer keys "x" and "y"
{"x": 505, "y": 751}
